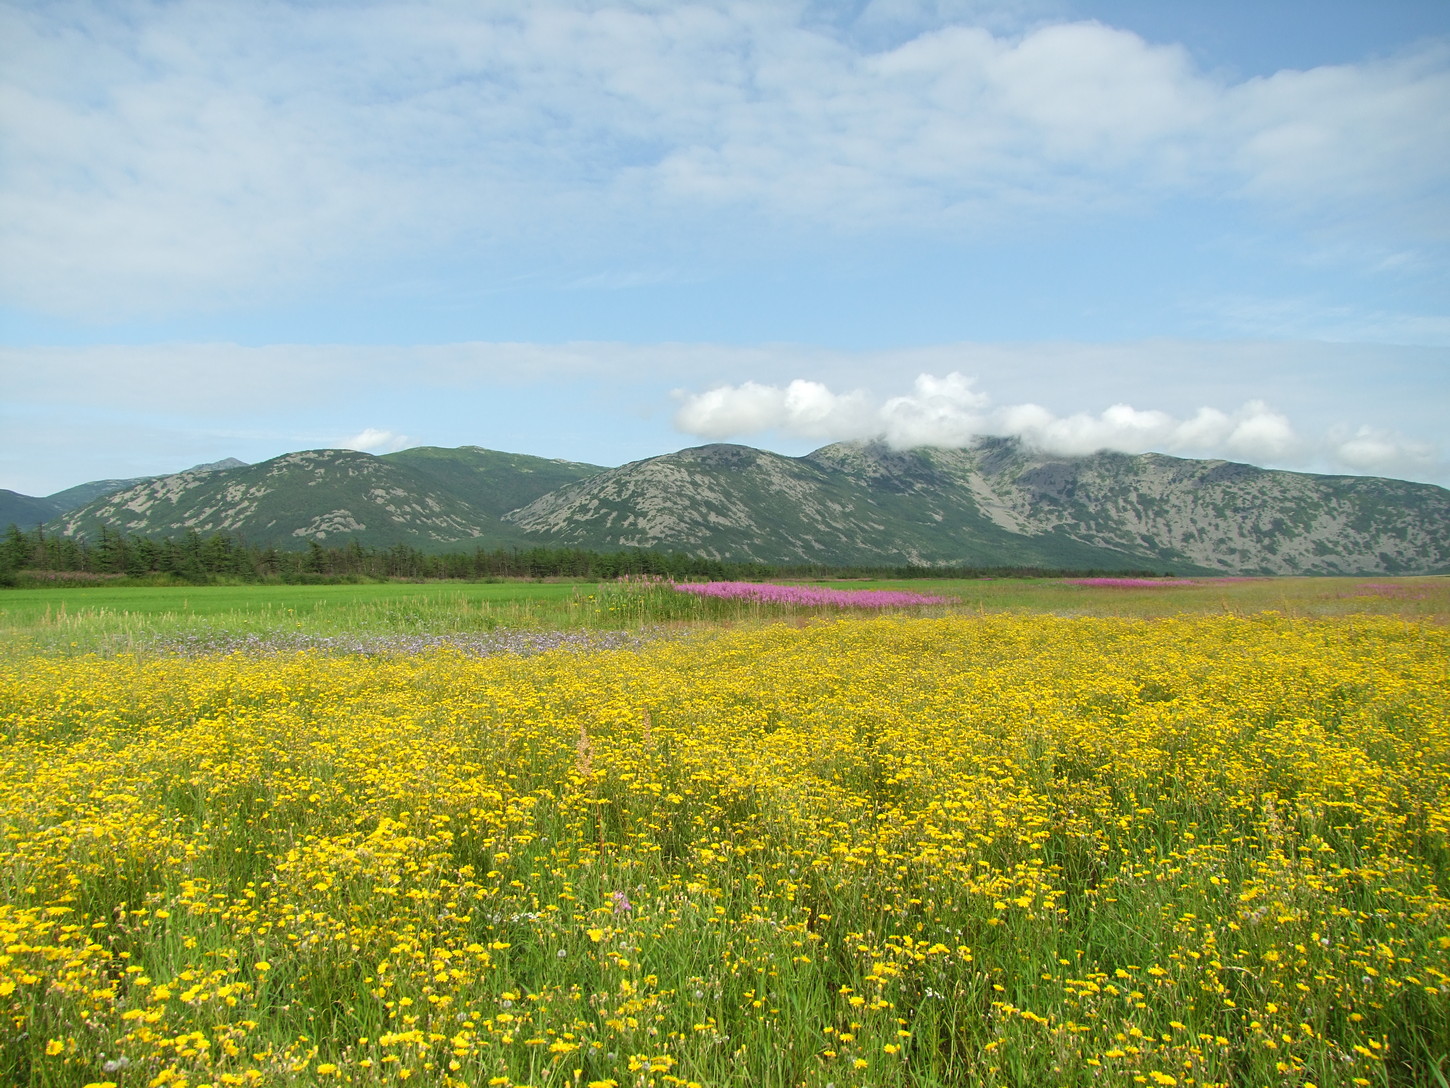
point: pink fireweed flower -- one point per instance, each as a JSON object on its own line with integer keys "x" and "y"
{"x": 621, "y": 902}
{"x": 770, "y": 593}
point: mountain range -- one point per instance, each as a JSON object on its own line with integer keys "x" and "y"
{"x": 998, "y": 502}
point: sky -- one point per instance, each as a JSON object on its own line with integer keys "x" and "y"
{"x": 603, "y": 231}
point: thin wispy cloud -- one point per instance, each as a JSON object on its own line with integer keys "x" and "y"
{"x": 242, "y": 229}
{"x": 164, "y": 156}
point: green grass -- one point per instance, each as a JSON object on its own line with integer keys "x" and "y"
{"x": 112, "y": 618}
{"x": 28, "y": 605}
{"x": 107, "y": 618}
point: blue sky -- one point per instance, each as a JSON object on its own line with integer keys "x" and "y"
{"x": 602, "y": 231}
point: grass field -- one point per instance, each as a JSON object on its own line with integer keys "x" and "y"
{"x": 1049, "y": 835}
{"x": 110, "y": 619}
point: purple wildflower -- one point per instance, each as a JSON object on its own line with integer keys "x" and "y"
{"x": 1129, "y": 583}
{"x": 770, "y": 593}
{"x": 480, "y": 644}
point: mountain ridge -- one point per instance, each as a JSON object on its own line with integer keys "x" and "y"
{"x": 19, "y": 509}
{"x": 996, "y": 502}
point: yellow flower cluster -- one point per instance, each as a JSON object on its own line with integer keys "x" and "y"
{"x": 987, "y": 851}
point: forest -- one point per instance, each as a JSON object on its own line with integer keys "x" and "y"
{"x": 35, "y": 555}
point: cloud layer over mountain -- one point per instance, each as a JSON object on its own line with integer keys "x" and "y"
{"x": 950, "y": 411}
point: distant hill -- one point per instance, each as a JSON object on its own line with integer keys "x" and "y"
{"x": 27, "y": 512}
{"x": 73, "y": 498}
{"x": 995, "y": 503}
{"x": 428, "y": 498}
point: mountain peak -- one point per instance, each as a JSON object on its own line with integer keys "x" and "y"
{"x": 218, "y": 466}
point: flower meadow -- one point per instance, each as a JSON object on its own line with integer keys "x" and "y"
{"x": 1000, "y": 850}
{"x": 1130, "y": 583}
{"x": 809, "y": 596}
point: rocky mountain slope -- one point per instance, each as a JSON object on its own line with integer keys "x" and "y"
{"x": 1000, "y": 503}
{"x": 734, "y": 502}
{"x": 1212, "y": 515}
{"x": 28, "y": 511}
{"x": 423, "y": 497}
{"x": 995, "y": 503}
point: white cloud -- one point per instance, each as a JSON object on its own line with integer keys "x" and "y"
{"x": 803, "y": 408}
{"x": 937, "y": 412}
{"x": 1386, "y": 453}
{"x": 162, "y": 156}
{"x": 1262, "y": 435}
{"x": 743, "y": 409}
{"x": 1253, "y": 432}
{"x": 949, "y": 411}
{"x": 1335, "y": 138}
{"x": 1119, "y": 427}
{"x": 374, "y": 440}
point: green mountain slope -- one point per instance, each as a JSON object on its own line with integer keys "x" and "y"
{"x": 332, "y": 496}
{"x": 27, "y": 511}
{"x": 994, "y": 503}
{"x": 999, "y": 503}
{"x": 491, "y": 481}
{"x": 734, "y": 502}
{"x": 73, "y": 498}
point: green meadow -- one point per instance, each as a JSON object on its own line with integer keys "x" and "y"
{"x": 107, "y": 618}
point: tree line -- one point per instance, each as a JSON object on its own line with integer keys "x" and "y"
{"x": 221, "y": 557}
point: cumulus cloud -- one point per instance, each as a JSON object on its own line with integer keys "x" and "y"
{"x": 803, "y": 408}
{"x": 937, "y": 412}
{"x": 164, "y": 155}
{"x": 950, "y": 411}
{"x": 374, "y": 440}
{"x": 1254, "y": 432}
